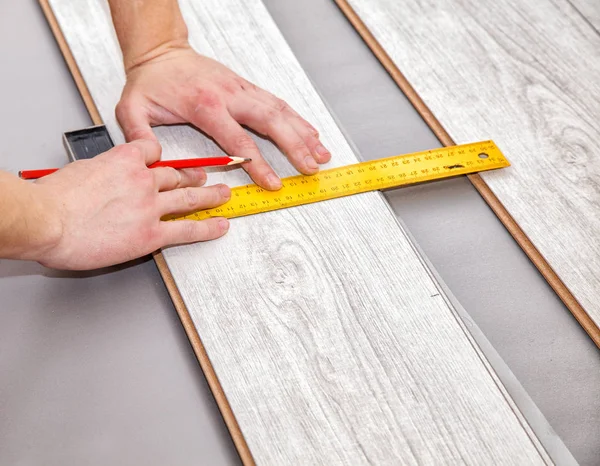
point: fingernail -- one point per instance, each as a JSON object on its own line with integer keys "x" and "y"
{"x": 224, "y": 224}
{"x": 320, "y": 149}
{"x": 225, "y": 191}
{"x": 311, "y": 162}
{"x": 273, "y": 181}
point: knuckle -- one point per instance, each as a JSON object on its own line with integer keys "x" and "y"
{"x": 207, "y": 99}
{"x": 121, "y": 150}
{"x": 231, "y": 86}
{"x": 281, "y": 105}
{"x": 271, "y": 115}
{"x": 153, "y": 146}
{"x": 299, "y": 148}
{"x": 210, "y": 196}
{"x": 129, "y": 155}
{"x": 150, "y": 236}
{"x": 216, "y": 195}
{"x": 145, "y": 178}
{"x": 311, "y": 129}
{"x": 135, "y": 133}
{"x": 123, "y": 108}
{"x": 189, "y": 232}
{"x": 174, "y": 175}
{"x": 190, "y": 197}
{"x": 243, "y": 141}
{"x": 247, "y": 85}
{"x": 199, "y": 176}
{"x": 132, "y": 150}
{"x": 210, "y": 230}
{"x": 193, "y": 176}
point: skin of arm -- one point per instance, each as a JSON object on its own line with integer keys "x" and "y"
{"x": 104, "y": 211}
{"x": 169, "y": 83}
{"x": 27, "y": 228}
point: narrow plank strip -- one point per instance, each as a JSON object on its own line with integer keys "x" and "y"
{"x": 169, "y": 280}
{"x": 332, "y": 327}
{"x": 558, "y": 240}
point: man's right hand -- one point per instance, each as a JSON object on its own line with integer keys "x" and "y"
{"x": 108, "y": 210}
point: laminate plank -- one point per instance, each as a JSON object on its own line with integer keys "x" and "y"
{"x": 523, "y": 75}
{"x": 329, "y": 336}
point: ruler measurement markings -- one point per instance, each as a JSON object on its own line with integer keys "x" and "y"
{"x": 374, "y": 175}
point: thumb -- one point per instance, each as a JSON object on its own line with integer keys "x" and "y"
{"x": 133, "y": 120}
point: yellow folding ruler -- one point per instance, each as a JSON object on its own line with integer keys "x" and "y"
{"x": 374, "y": 175}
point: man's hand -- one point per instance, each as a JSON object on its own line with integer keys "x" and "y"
{"x": 108, "y": 210}
{"x": 169, "y": 83}
{"x": 173, "y": 84}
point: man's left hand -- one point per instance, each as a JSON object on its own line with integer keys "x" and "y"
{"x": 181, "y": 86}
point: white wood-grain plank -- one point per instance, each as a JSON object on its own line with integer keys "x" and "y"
{"x": 589, "y": 10}
{"x": 524, "y": 74}
{"x": 329, "y": 336}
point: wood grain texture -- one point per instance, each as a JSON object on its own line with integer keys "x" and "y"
{"x": 487, "y": 194}
{"x": 505, "y": 71}
{"x": 336, "y": 345}
{"x": 589, "y": 10}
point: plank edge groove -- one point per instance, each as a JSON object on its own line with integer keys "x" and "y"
{"x": 484, "y": 190}
{"x": 204, "y": 360}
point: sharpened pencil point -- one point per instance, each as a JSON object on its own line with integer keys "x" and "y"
{"x": 236, "y": 160}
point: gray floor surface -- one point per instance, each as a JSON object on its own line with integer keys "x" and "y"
{"x": 95, "y": 367}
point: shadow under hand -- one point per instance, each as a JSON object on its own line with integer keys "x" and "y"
{"x": 16, "y": 268}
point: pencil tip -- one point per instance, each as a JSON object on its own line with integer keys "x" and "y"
{"x": 247, "y": 160}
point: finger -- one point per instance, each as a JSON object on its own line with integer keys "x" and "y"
{"x": 193, "y": 177}
{"x": 311, "y": 138}
{"x": 278, "y": 104}
{"x": 133, "y": 119}
{"x": 148, "y": 150}
{"x": 167, "y": 178}
{"x": 184, "y": 200}
{"x": 192, "y": 231}
{"x": 265, "y": 96}
{"x": 270, "y": 122}
{"x": 262, "y": 174}
{"x": 275, "y": 102}
{"x": 307, "y": 132}
{"x": 235, "y": 141}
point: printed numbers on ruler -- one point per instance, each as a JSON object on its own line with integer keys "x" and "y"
{"x": 359, "y": 178}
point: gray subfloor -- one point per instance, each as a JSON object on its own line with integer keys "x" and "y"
{"x": 95, "y": 368}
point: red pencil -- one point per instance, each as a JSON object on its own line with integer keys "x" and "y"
{"x": 183, "y": 163}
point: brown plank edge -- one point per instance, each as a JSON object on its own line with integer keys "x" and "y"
{"x": 484, "y": 190}
{"x": 184, "y": 315}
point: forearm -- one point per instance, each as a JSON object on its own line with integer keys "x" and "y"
{"x": 27, "y": 229}
{"x": 147, "y": 28}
